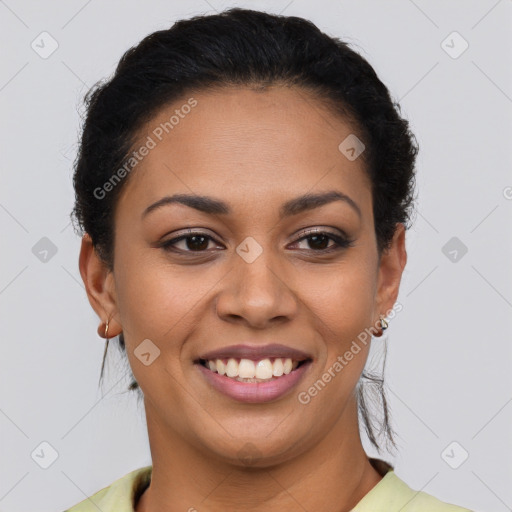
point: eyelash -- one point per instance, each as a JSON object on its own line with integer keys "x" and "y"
{"x": 340, "y": 242}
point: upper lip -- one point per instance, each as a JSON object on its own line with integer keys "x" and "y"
{"x": 256, "y": 352}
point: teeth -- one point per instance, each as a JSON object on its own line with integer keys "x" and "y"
{"x": 246, "y": 369}
{"x": 221, "y": 367}
{"x": 278, "y": 368}
{"x": 232, "y": 368}
{"x": 263, "y": 369}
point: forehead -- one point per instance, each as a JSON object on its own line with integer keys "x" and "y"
{"x": 237, "y": 143}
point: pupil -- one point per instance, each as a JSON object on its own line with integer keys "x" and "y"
{"x": 191, "y": 242}
{"x": 314, "y": 238}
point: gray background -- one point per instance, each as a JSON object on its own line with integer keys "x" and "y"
{"x": 449, "y": 350}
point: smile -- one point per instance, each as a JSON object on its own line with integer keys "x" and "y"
{"x": 252, "y": 371}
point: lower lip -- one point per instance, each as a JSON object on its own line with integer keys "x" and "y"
{"x": 255, "y": 392}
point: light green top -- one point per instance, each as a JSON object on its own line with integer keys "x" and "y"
{"x": 391, "y": 494}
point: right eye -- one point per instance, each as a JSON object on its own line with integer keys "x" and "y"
{"x": 190, "y": 242}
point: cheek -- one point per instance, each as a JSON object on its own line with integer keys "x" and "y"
{"x": 343, "y": 311}
{"x": 157, "y": 300}
{"x": 344, "y": 299}
{"x": 148, "y": 298}
{"x": 154, "y": 304}
{"x": 343, "y": 305}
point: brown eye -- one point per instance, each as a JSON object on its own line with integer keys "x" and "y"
{"x": 190, "y": 242}
{"x": 318, "y": 241}
{"x": 196, "y": 242}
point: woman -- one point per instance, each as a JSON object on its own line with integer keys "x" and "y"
{"x": 244, "y": 185}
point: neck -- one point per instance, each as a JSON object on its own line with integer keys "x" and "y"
{"x": 334, "y": 475}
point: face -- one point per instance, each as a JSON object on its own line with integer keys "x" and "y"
{"x": 253, "y": 272}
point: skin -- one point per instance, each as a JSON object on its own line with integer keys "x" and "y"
{"x": 254, "y": 150}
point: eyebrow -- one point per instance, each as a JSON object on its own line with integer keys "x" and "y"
{"x": 294, "y": 206}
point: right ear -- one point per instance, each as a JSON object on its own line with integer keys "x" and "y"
{"x": 100, "y": 287}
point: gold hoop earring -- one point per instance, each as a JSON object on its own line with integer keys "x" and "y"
{"x": 383, "y": 323}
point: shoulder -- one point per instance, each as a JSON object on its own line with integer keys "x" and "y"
{"x": 118, "y": 496}
{"x": 419, "y": 501}
{"x": 392, "y": 494}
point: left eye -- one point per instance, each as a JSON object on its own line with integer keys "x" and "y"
{"x": 317, "y": 241}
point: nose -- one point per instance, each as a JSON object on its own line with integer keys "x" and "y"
{"x": 257, "y": 293}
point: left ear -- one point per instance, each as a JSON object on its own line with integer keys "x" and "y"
{"x": 391, "y": 266}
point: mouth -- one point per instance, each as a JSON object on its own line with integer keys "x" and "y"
{"x": 254, "y": 373}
